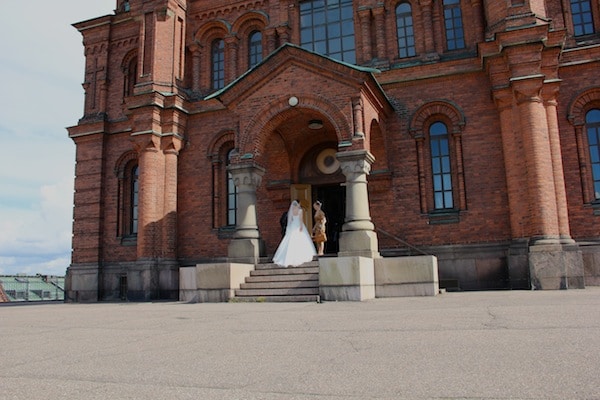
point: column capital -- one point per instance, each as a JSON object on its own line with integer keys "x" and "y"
{"x": 249, "y": 175}
{"x": 528, "y": 88}
{"x": 355, "y": 163}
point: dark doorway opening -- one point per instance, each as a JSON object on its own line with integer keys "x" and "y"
{"x": 123, "y": 287}
{"x": 333, "y": 198}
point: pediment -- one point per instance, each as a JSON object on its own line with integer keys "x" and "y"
{"x": 300, "y": 65}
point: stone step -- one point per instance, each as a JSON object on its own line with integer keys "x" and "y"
{"x": 275, "y": 266}
{"x": 282, "y": 278}
{"x": 277, "y": 299}
{"x": 276, "y": 292}
{"x": 285, "y": 271}
{"x": 280, "y": 285}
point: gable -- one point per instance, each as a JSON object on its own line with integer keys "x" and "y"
{"x": 290, "y": 67}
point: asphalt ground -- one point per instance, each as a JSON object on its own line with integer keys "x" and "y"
{"x": 476, "y": 345}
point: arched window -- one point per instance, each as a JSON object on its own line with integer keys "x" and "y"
{"x": 134, "y": 201}
{"x": 405, "y": 31}
{"x": 453, "y": 24}
{"x": 218, "y": 63}
{"x": 592, "y": 125}
{"x": 231, "y": 194}
{"x": 254, "y": 49}
{"x": 581, "y": 12}
{"x": 130, "y": 76}
{"x": 437, "y": 128}
{"x": 440, "y": 166}
{"x": 127, "y": 171}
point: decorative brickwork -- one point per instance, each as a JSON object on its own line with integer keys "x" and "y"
{"x": 512, "y": 82}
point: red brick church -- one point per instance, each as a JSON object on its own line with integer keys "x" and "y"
{"x": 464, "y": 130}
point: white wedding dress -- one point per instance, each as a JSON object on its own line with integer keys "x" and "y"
{"x": 296, "y": 247}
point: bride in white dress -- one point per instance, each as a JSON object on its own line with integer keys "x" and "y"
{"x": 296, "y": 247}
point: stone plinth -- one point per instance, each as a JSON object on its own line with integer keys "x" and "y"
{"x": 554, "y": 267}
{"x": 211, "y": 283}
{"x": 346, "y": 278}
{"x": 245, "y": 250}
{"x": 82, "y": 283}
{"x": 406, "y": 276}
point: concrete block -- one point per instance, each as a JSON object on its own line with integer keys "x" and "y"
{"x": 212, "y": 282}
{"x": 346, "y": 278}
{"x": 406, "y": 276}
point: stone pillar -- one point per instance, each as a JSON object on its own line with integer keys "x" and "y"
{"x": 543, "y": 219}
{"x": 358, "y": 237}
{"x": 246, "y": 245}
{"x": 357, "y": 109}
{"x": 171, "y": 146}
{"x": 549, "y": 93}
{"x": 151, "y": 165}
{"x": 553, "y": 264}
{"x": 517, "y": 258}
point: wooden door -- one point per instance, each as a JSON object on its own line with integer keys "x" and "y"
{"x": 303, "y": 194}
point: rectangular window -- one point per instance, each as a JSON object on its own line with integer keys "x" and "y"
{"x": 593, "y": 133}
{"x": 455, "y": 37}
{"x": 581, "y": 12}
{"x": 327, "y": 27}
{"x": 231, "y": 200}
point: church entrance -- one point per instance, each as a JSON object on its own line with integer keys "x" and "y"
{"x": 333, "y": 198}
{"x": 321, "y": 179}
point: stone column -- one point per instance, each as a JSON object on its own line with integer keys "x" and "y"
{"x": 246, "y": 245}
{"x": 357, "y": 109}
{"x": 533, "y": 124}
{"x": 553, "y": 264}
{"x": 517, "y": 256}
{"x": 358, "y": 237}
{"x": 151, "y": 180}
{"x": 171, "y": 146}
{"x": 549, "y": 93}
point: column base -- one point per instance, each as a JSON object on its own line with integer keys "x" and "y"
{"x": 246, "y": 251}
{"x": 553, "y": 267}
{"x": 361, "y": 243}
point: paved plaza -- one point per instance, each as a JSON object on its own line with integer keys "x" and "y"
{"x": 479, "y": 345}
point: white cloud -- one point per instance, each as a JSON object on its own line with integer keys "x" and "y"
{"x": 41, "y": 63}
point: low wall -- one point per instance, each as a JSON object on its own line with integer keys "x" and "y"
{"x": 211, "y": 283}
{"x": 406, "y": 276}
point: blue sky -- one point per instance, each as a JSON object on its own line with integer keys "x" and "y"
{"x": 42, "y": 68}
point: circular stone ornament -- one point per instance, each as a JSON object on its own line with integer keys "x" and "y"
{"x": 327, "y": 163}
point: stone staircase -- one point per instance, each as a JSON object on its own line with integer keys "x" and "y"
{"x": 272, "y": 283}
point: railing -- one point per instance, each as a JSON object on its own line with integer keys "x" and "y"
{"x": 396, "y": 238}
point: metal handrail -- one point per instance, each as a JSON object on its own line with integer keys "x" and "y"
{"x": 396, "y": 238}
